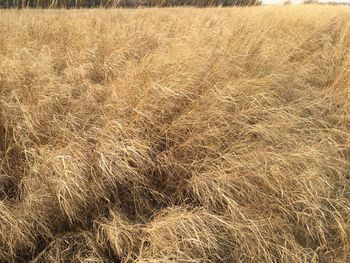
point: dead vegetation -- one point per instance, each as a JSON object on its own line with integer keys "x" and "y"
{"x": 184, "y": 135}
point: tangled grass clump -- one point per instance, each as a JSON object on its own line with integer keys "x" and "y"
{"x": 175, "y": 135}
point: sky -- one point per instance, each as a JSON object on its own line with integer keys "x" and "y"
{"x": 276, "y": 2}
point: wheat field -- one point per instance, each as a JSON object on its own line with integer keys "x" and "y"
{"x": 175, "y": 135}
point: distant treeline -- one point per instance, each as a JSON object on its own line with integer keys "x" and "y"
{"x": 120, "y": 3}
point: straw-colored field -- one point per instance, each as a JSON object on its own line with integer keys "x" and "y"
{"x": 175, "y": 135}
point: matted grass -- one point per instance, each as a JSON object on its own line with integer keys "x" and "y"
{"x": 183, "y": 135}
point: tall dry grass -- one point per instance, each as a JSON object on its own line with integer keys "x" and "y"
{"x": 182, "y": 135}
{"x": 121, "y": 3}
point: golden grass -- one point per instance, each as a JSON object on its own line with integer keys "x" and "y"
{"x": 183, "y": 135}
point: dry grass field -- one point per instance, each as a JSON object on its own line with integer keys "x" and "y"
{"x": 175, "y": 135}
